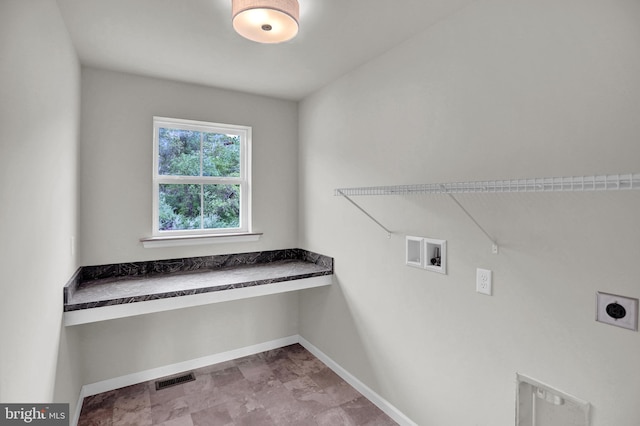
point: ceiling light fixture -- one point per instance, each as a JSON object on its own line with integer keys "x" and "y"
{"x": 266, "y": 21}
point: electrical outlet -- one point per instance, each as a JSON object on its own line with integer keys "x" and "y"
{"x": 617, "y": 310}
{"x": 483, "y": 281}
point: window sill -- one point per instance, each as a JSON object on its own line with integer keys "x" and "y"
{"x": 192, "y": 240}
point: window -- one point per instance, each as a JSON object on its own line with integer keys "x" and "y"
{"x": 201, "y": 178}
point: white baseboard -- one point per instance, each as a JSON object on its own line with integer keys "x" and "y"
{"x": 76, "y": 415}
{"x": 168, "y": 370}
{"x": 365, "y": 390}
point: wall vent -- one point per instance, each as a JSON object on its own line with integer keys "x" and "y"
{"x": 173, "y": 381}
{"x": 538, "y": 404}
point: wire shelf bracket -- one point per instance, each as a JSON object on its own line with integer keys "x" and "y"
{"x": 615, "y": 182}
{"x": 339, "y": 192}
{"x": 494, "y": 244}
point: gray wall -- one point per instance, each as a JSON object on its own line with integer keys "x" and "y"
{"x": 116, "y": 154}
{"x": 500, "y": 90}
{"x": 40, "y": 120}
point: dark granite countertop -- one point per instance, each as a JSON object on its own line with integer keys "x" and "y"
{"x": 107, "y": 285}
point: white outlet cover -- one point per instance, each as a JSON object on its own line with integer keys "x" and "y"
{"x": 484, "y": 283}
{"x": 630, "y": 306}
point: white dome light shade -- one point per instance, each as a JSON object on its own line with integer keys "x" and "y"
{"x": 266, "y": 21}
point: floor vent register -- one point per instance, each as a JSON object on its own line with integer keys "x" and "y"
{"x": 173, "y": 381}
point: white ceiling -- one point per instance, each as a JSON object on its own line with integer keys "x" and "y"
{"x": 193, "y": 40}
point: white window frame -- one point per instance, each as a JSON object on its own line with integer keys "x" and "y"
{"x": 244, "y": 132}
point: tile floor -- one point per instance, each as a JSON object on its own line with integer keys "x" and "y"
{"x": 286, "y": 386}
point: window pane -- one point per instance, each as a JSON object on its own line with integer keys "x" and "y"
{"x": 221, "y": 155}
{"x": 179, "y": 207}
{"x": 221, "y": 206}
{"x": 178, "y": 152}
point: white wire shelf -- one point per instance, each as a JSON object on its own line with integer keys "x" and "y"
{"x": 616, "y": 182}
{"x": 546, "y": 184}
